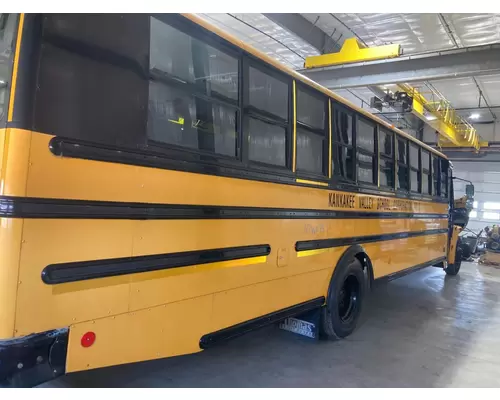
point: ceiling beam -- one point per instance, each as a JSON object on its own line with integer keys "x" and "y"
{"x": 455, "y": 63}
{"x": 305, "y": 30}
{"x": 316, "y": 37}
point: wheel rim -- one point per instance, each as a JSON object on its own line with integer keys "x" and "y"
{"x": 348, "y": 298}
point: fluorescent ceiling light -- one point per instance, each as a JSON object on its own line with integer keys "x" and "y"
{"x": 474, "y": 116}
{"x": 430, "y": 117}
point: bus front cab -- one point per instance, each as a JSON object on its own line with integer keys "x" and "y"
{"x": 459, "y": 218}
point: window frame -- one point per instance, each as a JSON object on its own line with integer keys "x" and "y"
{"x": 436, "y": 192}
{"x": 383, "y": 156}
{"x": 444, "y": 170}
{"x": 191, "y": 90}
{"x": 323, "y": 133}
{"x": 250, "y": 111}
{"x": 427, "y": 171}
{"x": 360, "y": 150}
{"x": 417, "y": 169}
{"x": 402, "y": 164}
{"x": 339, "y": 107}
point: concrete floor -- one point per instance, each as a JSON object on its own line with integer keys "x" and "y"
{"x": 423, "y": 330}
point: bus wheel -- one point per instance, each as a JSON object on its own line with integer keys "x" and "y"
{"x": 452, "y": 269}
{"x": 345, "y": 298}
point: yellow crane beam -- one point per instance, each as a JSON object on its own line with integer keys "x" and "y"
{"x": 352, "y": 51}
{"x": 455, "y": 130}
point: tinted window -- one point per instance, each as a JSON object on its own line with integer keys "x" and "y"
{"x": 342, "y": 127}
{"x": 425, "y": 184}
{"x": 309, "y": 151}
{"x": 343, "y": 162}
{"x": 402, "y": 178}
{"x": 365, "y": 168}
{"x": 425, "y": 160}
{"x": 414, "y": 180}
{"x": 386, "y": 143}
{"x": 91, "y": 83}
{"x": 444, "y": 178}
{"x": 189, "y": 60}
{"x": 414, "y": 155}
{"x": 402, "y": 150}
{"x": 435, "y": 175}
{"x": 387, "y": 173}
{"x": 365, "y": 136}
{"x": 267, "y": 143}
{"x": 311, "y": 109}
{"x": 178, "y": 118}
{"x": 268, "y": 93}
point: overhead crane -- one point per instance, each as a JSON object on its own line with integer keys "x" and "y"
{"x": 454, "y": 130}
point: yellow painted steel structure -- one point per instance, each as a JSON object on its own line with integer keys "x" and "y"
{"x": 353, "y": 51}
{"x": 143, "y": 316}
{"x": 454, "y": 130}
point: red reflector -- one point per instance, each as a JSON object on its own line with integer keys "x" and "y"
{"x": 88, "y": 339}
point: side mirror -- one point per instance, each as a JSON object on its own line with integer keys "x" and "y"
{"x": 469, "y": 191}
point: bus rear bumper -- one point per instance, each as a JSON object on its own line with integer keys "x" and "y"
{"x": 31, "y": 360}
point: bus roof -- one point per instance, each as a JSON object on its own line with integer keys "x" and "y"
{"x": 259, "y": 54}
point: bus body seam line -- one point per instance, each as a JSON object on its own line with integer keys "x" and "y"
{"x": 31, "y": 207}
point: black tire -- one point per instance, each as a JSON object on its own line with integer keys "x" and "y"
{"x": 466, "y": 251}
{"x": 452, "y": 269}
{"x": 346, "y": 295}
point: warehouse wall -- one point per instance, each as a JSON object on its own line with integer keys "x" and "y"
{"x": 486, "y": 178}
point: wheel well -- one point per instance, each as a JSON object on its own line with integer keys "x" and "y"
{"x": 367, "y": 265}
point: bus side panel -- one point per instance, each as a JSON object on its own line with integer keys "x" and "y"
{"x": 157, "y": 332}
{"x": 42, "y": 307}
{"x": 249, "y": 302}
{"x": 176, "y": 328}
{"x": 397, "y": 255}
{"x": 14, "y": 153}
{"x": 51, "y": 241}
{"x": 10, "y": 245}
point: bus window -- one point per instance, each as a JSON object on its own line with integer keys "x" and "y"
{"x": 311, "y": 110}
{"x": 311, "y": 132}
{"x": 386, "y": 148}
{"x": 177, "y": 118}
{"x": 402, "y": 153}
{"x": 435, "y": 176}
{"x": 365, "y": 145}
{"x": 267, "y": 143}
{"x": 193, "y": 62}
{"x": 426, "y": 173}
{"x": 444, "y": 178}
{"x": 414, "y": 168}
{"x": 91, "y": 78}
{"x": 266, "y": 116}
{"x": 343, "y": 152}
{"x": 191, "y": 92}
{"x": 267, "y": 93}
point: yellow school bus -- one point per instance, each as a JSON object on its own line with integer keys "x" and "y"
{"x": 165, "y": 186}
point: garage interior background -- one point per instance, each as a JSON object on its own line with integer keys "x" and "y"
{"x": 449, "y": 57}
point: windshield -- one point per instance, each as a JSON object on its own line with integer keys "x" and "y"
{"x": 8, "y": 24}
